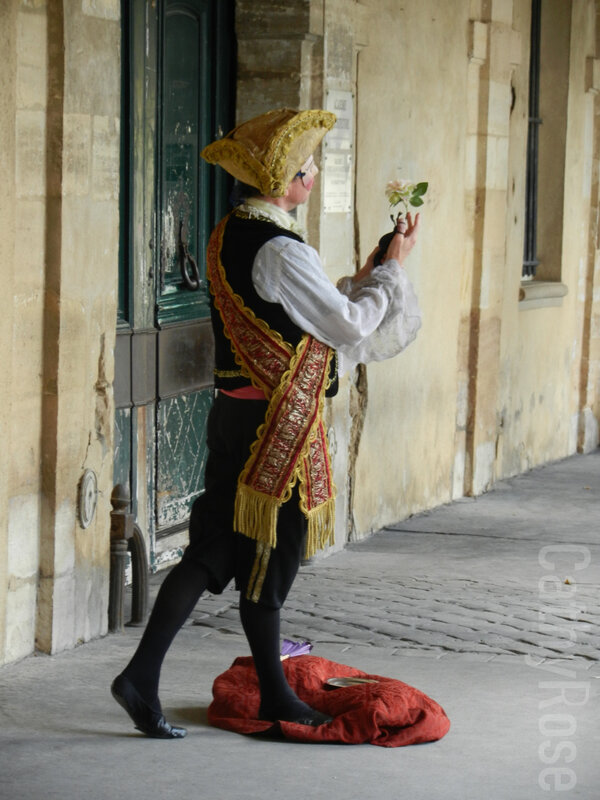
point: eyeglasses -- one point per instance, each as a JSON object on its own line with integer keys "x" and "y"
{"x": 308, "y": 170}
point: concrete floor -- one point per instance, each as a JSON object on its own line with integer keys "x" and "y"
{"x": 467, "y": 602}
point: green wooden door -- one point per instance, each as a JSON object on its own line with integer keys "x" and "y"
{"x": 179, "y": 98}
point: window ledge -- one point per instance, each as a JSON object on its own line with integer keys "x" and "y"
{"x": 541, "y": 294}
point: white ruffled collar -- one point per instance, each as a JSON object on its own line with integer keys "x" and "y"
{"x": 256, "y": 208}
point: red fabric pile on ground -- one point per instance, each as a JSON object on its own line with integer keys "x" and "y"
{"x": 388, "y": 713}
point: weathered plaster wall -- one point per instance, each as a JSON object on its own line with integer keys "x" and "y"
{"x": 412, "y": 96}
{"x": 8, "y": 92}
{"x": 548, "y": 383}
{"x": 23, "y": 128}
{"x": 59, "y": 139}
{"x": 492, "y": 386}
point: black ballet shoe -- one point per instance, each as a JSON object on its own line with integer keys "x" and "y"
{"x": 145, "y": 719}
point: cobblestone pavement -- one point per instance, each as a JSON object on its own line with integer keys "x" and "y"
{"x": 471, "y": 579}
{"x": 493, "y": 603}
{"x": 422, "y": 615}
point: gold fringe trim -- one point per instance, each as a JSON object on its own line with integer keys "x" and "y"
{"x": 321, "y": 528}
{"x": 255, "y": 515}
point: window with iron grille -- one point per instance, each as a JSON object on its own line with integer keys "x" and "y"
{"x": 530, "y": 255}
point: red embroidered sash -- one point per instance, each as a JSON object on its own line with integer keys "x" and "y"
{"x": 292, "y": 442}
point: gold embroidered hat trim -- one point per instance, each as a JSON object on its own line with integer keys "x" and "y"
{"x": 292, "y": 442}
{"x": 267, "y": 151}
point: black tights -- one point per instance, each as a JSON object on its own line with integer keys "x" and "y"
{"x": 277, "y": 699}
{"x": 179, "y": 593}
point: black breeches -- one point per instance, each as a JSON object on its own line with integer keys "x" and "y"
{"x": 262, "y": 574}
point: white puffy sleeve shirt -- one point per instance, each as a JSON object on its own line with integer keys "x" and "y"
{"x": 370, "y": 320}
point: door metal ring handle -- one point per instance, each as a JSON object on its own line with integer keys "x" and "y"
{"x": 192, "y": 282}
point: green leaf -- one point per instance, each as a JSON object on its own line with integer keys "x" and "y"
{"x": 416, "y": 201}
{"x": 420, "y": 189}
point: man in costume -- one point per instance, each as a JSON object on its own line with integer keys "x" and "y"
{"x": 281, "y": 330}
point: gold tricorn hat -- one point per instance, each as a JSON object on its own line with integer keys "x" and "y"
{"x": 268, "y": 150}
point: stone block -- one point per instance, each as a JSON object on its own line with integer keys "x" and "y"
{"x": 105, "y": 158}
{"x": 462, "y": 403}
{"x": 472, "y": 144}
{"x": 515, "y": 48}
{"x": 77, "y": 154}
{"x": 273, "y": 19}
{"x": 254, "y": 57}
{"x": 502, "y": 11}
{"x": 257, "y": 95}
{"x": 478, "y": 41}
{"x": 30, "y": 153}
{"x": 472, "y": 106}
{"x": 102, "y": 9}
{"x": 80, "y": 244}
{"x": 91, "y": 603}
{"x": 90, "y": 248}
{"x": 495, "y": 229}
{"x": 31, "y": 61}
{"x": 499, "y": 103}
{"x": 592, "y": 75}
{"x": 93, "y": 70}
{"x": 29, "y": 265}
{"x": 459, "y": 466}
{"x": 64, "y": 534}
{"x": 23, "y": 536}
{"x": 56, "y": 613}
{"x": 595, "y": 326}
{"x": 363, "y": 19}
{"x": 339, "y": 50}
{"x": 590, "y": 435}
{"x": 64, "y": 635}
{"x": 497, "y": 163}
{"x": 27, "y": 355}
{"x": 483, "y": 472}
{"x": 21, "y": 619}
{"x": 23, "y": 446}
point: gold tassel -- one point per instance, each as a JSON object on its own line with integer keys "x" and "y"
{"x": 321, "y": 528}
{"x": 255, "y": 515}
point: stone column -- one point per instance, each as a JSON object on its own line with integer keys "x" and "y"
{"x": 8, "y": 214}
{"x": 494, "y": 51}
{"x": 81, "y": 267}
{"x": 346, "y": 33}
{"x": 589, "y": 378}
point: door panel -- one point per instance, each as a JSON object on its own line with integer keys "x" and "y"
{"x": 181, "y": 455}
{"x": 177, "y": 90}
{"x": 185, "y": 128}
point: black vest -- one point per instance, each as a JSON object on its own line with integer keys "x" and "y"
{"x": 242, "y": 240}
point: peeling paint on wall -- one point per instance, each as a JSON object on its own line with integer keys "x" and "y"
{"x": 359, "y": 397}
{"x": 104, "y": 418}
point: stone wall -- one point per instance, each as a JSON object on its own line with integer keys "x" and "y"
{"x": 503, "y": 376}
{"x": 59, "y": 133}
